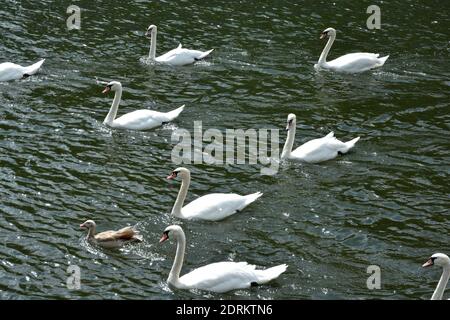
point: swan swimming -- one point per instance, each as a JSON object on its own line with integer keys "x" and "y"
{"x": 175, "y": 57}
{"x": 350, "y": 63}
{"x": 11, "y": 71}
{"x": 213, "y": 206}
{"x": 316, "y": 150}
{"x": 217, "y": 277}
{"x": 136, "y": 120}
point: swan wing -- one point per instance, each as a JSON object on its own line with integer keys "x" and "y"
{"x": 123, "y": 234}
{"x": 181, "y": 56}
{"x": 226, "y": 276}
{"x": 141, "y": 120}
{"x": 318, "y": 150}
{"x": 214, "y": 206}
{"x": 355, "y": 62}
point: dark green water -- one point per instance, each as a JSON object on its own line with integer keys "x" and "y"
{"x": 386, "y": 203}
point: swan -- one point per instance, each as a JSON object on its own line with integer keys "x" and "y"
{"x": 352, "y": 62}
{"x": 11, "y": 71}
{"x": 217, "y": 277}
{"x": 441, "y": 260}
{"x": 111, "y": 239}
{"x": 175, "y": 57}
{"x": 316, "y": 150}
{"x": 136, "y": 120}
{"x": 213, "y": 207}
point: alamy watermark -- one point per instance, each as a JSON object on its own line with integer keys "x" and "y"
{"x": 374, "y": 20}
{"x": 73, "y": 281}
{"x": 236, "y": 146}
{"x": 374, "y": 280}
{"x": 74, "y": 20}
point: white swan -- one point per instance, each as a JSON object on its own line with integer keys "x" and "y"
{"x": 136, "y": 120}
{"x": 352, "y": 62}
{"x": 111, "y": 239}
{"x": 216, "y": 277}
{"x": 214, "y": 206}
{"x": 316, "y": 150}
{"x": 175, "y": 57}
{"x": 441, "y": 260}
{"x": 11, "y": 71}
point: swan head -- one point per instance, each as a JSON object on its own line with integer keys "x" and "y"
{"x": 328, "y": 32}
{"x": 88, "y": 225}
{"x": 173, "y": 230}
{"x": 438, "y": 259}
{"x": 291, "y": 119}
{"x": 112, "y": 86}
{"x": 149, "y": 31}
{"x": 179, "y": 172}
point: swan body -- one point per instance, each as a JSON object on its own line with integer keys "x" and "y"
{"x": 217, "y": 277}
{"x": 175, "y": 57}
{"x": 213, "y": 207}
{"x": 316, "y": 150}
{"x": 443, "y": 261}
{"x": 11, "y": 71}
{"x": 111, "y": 239}
{"x": 350, "y": 63}
{"x": 136, "y": 120}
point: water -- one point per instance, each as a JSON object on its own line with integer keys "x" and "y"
{"x": 386, "y": 203}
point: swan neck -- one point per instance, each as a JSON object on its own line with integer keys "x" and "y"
{"x": 185, "y": 182}
{"x": 326, "y": 50}
{"x": 287, "y": 149}
{"x": 114, "y": 107}
{"x": 439, "y": 292}
{"x": 174, "y": 275}
{"x": 152, "y": 52}
{"x": 91, "y": 233}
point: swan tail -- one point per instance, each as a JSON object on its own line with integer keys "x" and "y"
{"x": 382, "y": 60}
{"x": 33, "y": 68}
{"x": 252, "y": 197}
{"x": 175, "y": 113}
{"x": 267, "y": 275}
{"x": 330, "y": 135}
{"x": 348, "y": 145}
{"x": 204, "y": 54}
{"x": 138, "y": 237}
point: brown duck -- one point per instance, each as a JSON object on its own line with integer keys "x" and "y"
{"x": 110, "y": 238}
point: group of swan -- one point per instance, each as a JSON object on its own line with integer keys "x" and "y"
{"x": 224, "y": 276}
{"x": 313, "y": 151}
{"x": 216, "y": 277}
{"x": 350, "y": 63}
{"x": 221, "y": 276}
{"x": 176, "y": 57}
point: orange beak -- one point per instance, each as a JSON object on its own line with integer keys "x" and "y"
{"x": 164, "y": 238}
{"x": 429, "y": 263}
{"x": 172, "y": 176}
